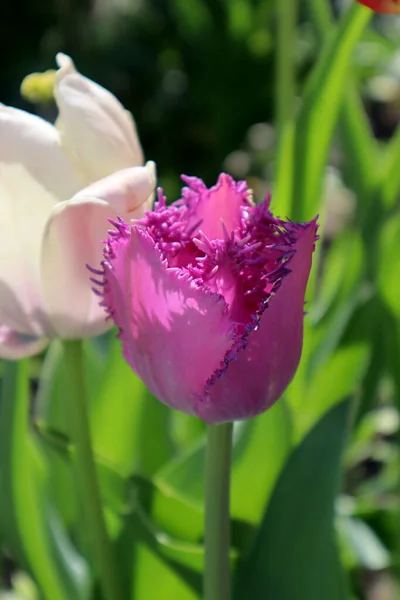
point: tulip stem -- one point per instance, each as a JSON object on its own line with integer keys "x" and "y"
{"x": 88, "y": 487}
{"x": 285, "y": 63}
{"x": 217, "y": 518}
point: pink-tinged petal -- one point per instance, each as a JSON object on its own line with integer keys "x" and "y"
{"x": 72, "y": 240}
{"x": 34, "y": 175}
{"x": 129, "y": 192}
{"x": 96, "y": 131}
{"x": 219, "y": 207}
{"x": 174, "y": 334}
{"x": 14, "y": 345}
{"x": 34, "y": 144}
{"x": 264, "y": 368}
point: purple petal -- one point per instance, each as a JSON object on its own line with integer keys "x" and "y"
{"x": 215, "y": 208}
{"x": 263, "y": 369}
{"x": 174, "y": 334}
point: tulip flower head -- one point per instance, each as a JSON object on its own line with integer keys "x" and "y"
{"x": 390, "y": 7}
{"x": 59, "y": 184}
{"x": 208, "y": 294}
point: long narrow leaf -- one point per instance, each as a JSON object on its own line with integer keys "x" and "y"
{"x": 294, "y": 555}
{"x": 320, "y": 109}
{"x": 33, "y": 528}
{"x": 356, "y": 136}
{"x": 391, "y": 172}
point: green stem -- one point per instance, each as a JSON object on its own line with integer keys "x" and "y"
{"x": 285, "y": 90}
{"x": 285, "y": 54}
{"x": 354, "y": 129}
{"x": 322, "y": 16}
{"x": 103, "y": 557}
{"x": 217, "y": 519}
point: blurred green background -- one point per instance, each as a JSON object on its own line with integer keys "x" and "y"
{"x": 196, "y": 75}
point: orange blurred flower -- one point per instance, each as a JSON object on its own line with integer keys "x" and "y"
{"x": 383, "y": 6}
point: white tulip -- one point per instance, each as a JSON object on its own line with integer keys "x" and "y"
{"x": 58, "y": 186}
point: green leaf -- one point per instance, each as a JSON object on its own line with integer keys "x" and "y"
{"x": 337, "y": 379}
{"x": 51, "y": 413}
{"x": 129, "y": 426}
{"x": 374, "y": 325}
{"x": 388, "y": 267}
{"x": 176, "y": 517}
{"x": 255, "y": 441}
{"x": 360, "y": 148}
{"x": 185, "y": 430}
{"x": 294, "y": 554}
{"x": 390, "y": 171}
{"x": 122, "y": 411}
{"x": 172, "y": 513}
{"x": 356, "y": 136}
{"x": 155, "y": 566}
{"x": 51, "y": 398}
{"x": 341, "y": 275}
{"x": 283, "y": 191}
{"x": 33, "y": 528}
{"x": 318, "y": 114}
{"x": 266, "y": 436}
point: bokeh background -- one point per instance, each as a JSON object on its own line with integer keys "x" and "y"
{"x": 198, "y": 76}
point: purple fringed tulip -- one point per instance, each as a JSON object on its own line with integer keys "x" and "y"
{"x": 208, "y": 294}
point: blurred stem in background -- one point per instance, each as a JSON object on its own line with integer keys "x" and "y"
{"x": 285, "y": 56}
{"x": 285, "y": 91}
{"x": 356, "y": 135}
{"x": 321, "y": 15}
{"x": 217, "y": 517}
{"x": 88, "y": 487}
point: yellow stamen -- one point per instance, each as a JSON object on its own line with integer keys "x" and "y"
{"x": 38, "y": 87}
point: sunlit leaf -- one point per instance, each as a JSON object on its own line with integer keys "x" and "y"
{"x": 129, "y": 426}
{"x": 320, "y": 109}
{"x": 294, "y": 553}
{"x": 255, "y": 441}
{"x": 155, "y": 566}
{"x": 337, "y": 379}
{"x": 33, "y": 528}
{"x": 357, "y": 140}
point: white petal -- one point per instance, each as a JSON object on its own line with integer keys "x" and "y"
{"x": 72, "y": 240}
{"x": 65, "y": 64}
{"x": 34, "y": 175}
{"x": 129, "y": 191}
{"x": 34, "y": 143}
{"x": 97, "y": 133}
{"x": 15, "y": 345}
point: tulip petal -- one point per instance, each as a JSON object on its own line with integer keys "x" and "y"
{"x": 259, "y": 375}
{"x": 215, "y": 208}
{"x": 166, "y": 321}
{"x": 14, "y": 345}
{"x": 389, "y": 7}
{"x": 97, "y": 133}
{"x": 34, "y": 175}
{"x": 130, "y": 191}
{"x": 72, "y": 239}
